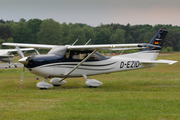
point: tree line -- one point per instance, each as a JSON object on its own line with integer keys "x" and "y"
{"x": 49, "y": 31}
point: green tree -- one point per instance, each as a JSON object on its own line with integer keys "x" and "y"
{"x": 10, "y": 40}
{"x": 89, "y": 32}
{"x": 177, "y": 37}
{"x": 65, "y": 32}
{"x": 76, "y": 33}
{"x": 178, "y": 46}
{"x": 135, "y": 33}
{"x": 21, "y": 33}
{"x": 140, "y": 39}
{"x": 118, "y": 37}
{"x": 170, "y": 39}
{"x": 5, "y": 31}
{"x": 1, "y": 41}
{"x": 167, "y": 50}
{"x": 148, "y": 36}
{"x": 103, "y": 36}
{"x": 2, "y": 21}
{"x": 50, "y": 32}
{"x": 127, "y": 29}
{"x": 129, "y": 39}
{"x": 34, "y": 26}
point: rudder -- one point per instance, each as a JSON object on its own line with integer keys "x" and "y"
{"x": 159, "y": 38}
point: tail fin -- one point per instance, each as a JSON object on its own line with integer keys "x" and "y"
{"x": 150, "y": 53}
{"x": 159, "y": 38}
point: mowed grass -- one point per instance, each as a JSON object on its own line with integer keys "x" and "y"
{"x": 144, "y": 94}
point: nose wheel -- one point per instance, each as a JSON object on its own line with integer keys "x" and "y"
{"x": 44, "y": 85}
{"x": 54, "y": 82}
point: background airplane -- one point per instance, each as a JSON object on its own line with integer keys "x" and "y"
{"x": 7, "y": 56}
{"x": 62, "y": 62}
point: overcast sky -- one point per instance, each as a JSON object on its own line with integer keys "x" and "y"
{"x": 94, "y": 12}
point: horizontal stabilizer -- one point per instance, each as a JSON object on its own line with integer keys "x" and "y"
{"x": 149, "y": 46}
{"x": 169, "y": 62}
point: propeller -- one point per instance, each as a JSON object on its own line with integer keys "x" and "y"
{"x": 21, "y": 54}
{"x": 22, "y": 77}
{"x": 24, "y": 60}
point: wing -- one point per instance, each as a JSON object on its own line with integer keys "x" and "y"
{"x": 112, "y": 47}
{"x": 42, "y": 46}
{"x": 7, "y": 51}
{"x": 11, "y": 50}
{"x": 88, "y": 47}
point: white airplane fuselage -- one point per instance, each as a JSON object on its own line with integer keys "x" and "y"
{"x": 6, "y": 58}
{"x": 112, "y": 64}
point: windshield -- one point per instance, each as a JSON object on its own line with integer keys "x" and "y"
{"x": 58, "y": 50}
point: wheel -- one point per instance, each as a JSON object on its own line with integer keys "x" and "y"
{"x": 42, "y": 88}
{"x": 92, "y": 86}
{"x": 56, "y": 85}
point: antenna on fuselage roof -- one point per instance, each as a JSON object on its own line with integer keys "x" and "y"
{"x": 75, "y": 42}
{"x": 88, "y": 41}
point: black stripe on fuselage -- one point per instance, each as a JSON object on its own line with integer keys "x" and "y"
{"x": 89, "y": 68}
{"x": 61, "y": 64}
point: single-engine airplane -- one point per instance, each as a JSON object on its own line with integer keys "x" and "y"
{"x": 66, "y": 61}
{"x": 6, "y": 56}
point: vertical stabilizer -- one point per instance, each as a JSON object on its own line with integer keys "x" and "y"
{"x": 150, "y": 53}
{"x": 158, "y": 39}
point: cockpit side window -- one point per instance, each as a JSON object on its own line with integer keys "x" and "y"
{"x": 94, "y": 57}
{"x": 80, "y": 55}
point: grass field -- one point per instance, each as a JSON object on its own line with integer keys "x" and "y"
{"x": 145, "y": 94}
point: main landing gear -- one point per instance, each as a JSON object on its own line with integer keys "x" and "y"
{"x": 44, "y": 85}
{"x": 92, "y": 83}
{"x": 54, "y": 82}
{"x": 15, "y": 65}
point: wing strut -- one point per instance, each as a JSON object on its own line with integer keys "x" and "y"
{"x": 37, "y": 51}
{"x": 88, "y": 41}
{"x": 75, "y": 42}
{"x": 66, "y": 75}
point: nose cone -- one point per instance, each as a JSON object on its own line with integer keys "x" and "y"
{"x": 23, "y": 60}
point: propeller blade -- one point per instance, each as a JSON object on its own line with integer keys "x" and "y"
{"x": 22, "y": 77}
{"x": 30, "y": 57}
{"x": 19, "y": 52}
